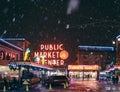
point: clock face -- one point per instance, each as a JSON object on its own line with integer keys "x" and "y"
{"x": 64, "y": 54}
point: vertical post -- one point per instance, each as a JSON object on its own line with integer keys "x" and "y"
{"x": 19, "y": 70}
{"x": 39, "y": 74}
{"x": 66, "y": 73}
{"x": 97, "y": 78}
{"x": 42, "y": 72}
{"x": 83, "y": 72}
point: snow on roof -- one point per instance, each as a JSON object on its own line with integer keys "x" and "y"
{"x": 96, "y": 48}
{"x": 13, "y": 38}
{"x": 118, "y": 36}
{"x": 10, "y": 44}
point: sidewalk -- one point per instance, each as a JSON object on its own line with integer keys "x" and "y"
{"x": 109, "y": 86}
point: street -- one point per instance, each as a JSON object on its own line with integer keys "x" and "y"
{"x": 75, "y": 86}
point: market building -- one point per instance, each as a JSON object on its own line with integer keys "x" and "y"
{"x": 8, "y": 52}
{"x": 20, "y": 42}
{"x": 90, "y": 60}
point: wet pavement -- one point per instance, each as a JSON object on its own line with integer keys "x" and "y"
{"x": 74, "y": 86}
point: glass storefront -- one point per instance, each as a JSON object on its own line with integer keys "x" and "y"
{"x": 83, "y": 72}
{"x": 83, "y": 75}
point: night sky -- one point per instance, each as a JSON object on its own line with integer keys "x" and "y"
{"x": 71, "y": 22}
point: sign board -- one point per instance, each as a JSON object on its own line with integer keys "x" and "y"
{"x": 51, "y": 54}
{"x": 83, "y": 67}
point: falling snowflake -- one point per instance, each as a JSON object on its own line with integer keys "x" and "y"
{"x": 91, "y": 18}
{"x": 54, "y": 38}
{"x": 22, "y": 16}
{"x": 59, "y": 21}
{"x": 32, "y": 0}
{"x": 78, "y": 40}
{"x": 41, "y": 34}
{"x": 46, "y": 18}
{"x": 72, "y": 6}
{"x": 8, "y": 0}
{"x": 108, "y": 31}
{"x": 13, "y": 19}
{"x": 5, "y": 31}
{"x": 67, "y": 26}
{"x": 17, "y": 35}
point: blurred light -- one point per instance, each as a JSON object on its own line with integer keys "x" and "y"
{"x": 37, "y": 59}
{"x": 26, "y": 54}
{"x": 64, "y": 54}
{"x": 113, "y": 42}
{"x": 118, "y": 39}
{"x": 28, "y": 50}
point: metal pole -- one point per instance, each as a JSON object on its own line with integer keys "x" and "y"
{"x": 19, "y": 70}
{"x": 83, "y": 72}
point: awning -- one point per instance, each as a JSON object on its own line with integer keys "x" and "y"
{"x": 40, "y": 66}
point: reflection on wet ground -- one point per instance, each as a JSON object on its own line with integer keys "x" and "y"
{"x": 84, "y": 85}
{"x": 75, "y": 86}
{"x": 88, "y": 86}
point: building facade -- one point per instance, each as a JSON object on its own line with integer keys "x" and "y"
{"x": 90, "y": 59}
{"x": 8, "y": 52}
{"x": 19, "y": 42}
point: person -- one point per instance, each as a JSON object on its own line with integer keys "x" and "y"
{"x": 88, "y": 76}
{"x": 116, "y": 79}
{"x": 113, "y": 78}
{"x": 5, "y": 82}
{"x": 14, "y": 83}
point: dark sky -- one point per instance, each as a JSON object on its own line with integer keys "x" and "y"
{"x": 72, "y": 22}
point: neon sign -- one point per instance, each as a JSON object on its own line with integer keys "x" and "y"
{"x": 83, "y": 67}
{"x": 51, "y": 54}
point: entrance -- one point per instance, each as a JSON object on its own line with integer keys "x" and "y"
{"x": 83, "y": 75}
{"x": 83, "y": 72}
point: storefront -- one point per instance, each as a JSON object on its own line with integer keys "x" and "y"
{"x": 83, "y": 72}
{"x": 8, "y": 52}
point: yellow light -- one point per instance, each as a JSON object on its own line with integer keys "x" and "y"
{"x": 42, "y": 59}
{"x": 25, "y": 56}
{"x": 64, "y": 54}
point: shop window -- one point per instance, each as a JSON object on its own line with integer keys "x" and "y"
{"x": 2, "y": 55}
